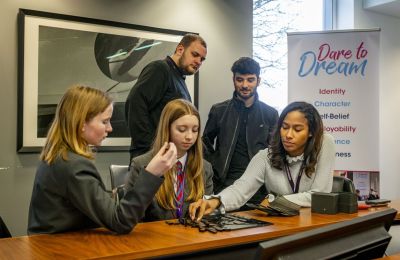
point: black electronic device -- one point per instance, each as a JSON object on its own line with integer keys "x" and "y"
{"x": 377, "y": 202}
{"x": 364, "y": 237}
{"x": 324, "y": 203}
{"x": 347, "y": 202}
{"x": 280, "y": 206}
{"x": 332, "y": 203}
{"x": 268, "y": 210}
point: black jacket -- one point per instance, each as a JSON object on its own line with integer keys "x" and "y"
{"x": 222, "y": 127}
{"x": 159, "y": 82}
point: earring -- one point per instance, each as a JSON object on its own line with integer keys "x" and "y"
{"x": 83, "y": 127}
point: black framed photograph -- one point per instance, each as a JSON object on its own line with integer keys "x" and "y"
{"x": 56, "y": 51}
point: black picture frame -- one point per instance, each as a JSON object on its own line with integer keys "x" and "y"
{"x": 56, "y": 51}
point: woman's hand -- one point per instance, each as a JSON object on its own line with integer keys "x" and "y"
{"x": 164, "y": 160}
{"x": 203, "y": 207}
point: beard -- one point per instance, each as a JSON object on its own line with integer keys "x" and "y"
{"x": 185, "y": 68}
{"x": 188, "y": 71}
{"x": 251, "y": 94}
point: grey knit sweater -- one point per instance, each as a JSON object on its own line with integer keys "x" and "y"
{"x": 259, "y": 172}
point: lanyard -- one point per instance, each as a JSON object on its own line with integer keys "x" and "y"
{"x": 295, "y": 188}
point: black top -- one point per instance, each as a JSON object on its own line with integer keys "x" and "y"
{"x": 159, "y": 82}
{"x": 240, "y": 157}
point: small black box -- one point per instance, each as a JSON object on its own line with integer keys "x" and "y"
{"x": 348, "y": 202}
{"x": 324, "y": 203}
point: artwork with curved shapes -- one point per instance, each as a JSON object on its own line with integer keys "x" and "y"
{"x": 57, "y": 51}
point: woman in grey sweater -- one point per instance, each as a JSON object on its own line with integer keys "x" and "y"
{"x": 299, "y": 161}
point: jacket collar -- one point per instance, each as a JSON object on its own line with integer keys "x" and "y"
{"x": 238, "y": 102}
{"x": 172, "y": 63}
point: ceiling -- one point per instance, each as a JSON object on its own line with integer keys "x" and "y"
{"x": 388, "y": 7}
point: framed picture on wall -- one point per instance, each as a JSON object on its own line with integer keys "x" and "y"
{"x": 56, "y": 51}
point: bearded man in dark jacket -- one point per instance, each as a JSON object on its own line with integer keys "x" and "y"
{"x": 160, "y": 82}
{"x": 238, "y": 128}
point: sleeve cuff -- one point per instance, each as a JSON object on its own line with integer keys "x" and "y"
{"x": 221, "y": 208}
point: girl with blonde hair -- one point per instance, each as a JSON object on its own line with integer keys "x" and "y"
{"x": 68, "y": 193}
{"x": 191, "y": 178}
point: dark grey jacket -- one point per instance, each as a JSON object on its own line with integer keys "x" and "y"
{"x": 159, "y": 82}
{"x": 70, "y": 195}
{"x": 154, "y": 212}
{"x": 222, "y": 129}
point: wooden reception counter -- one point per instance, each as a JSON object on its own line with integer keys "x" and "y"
{"x": 157, "y": 239}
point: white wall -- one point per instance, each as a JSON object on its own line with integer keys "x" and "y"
{"x": 389, "y": 92}
{"x": 226, "y": 25}
{"x": 345, "y": 10}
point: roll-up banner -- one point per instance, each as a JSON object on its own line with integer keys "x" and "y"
{"x": 338, "y": 72}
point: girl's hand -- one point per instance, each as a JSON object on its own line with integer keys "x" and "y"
{"x": 164, "y": 160}
{"x": 203, "y": 207}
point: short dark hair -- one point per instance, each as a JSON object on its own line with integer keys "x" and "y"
{"x": 188, "y": 38}
{"x": 246, "y": 65}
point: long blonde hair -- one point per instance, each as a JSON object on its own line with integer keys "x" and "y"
{"x": 78, "y": 105}
{"x": 194, "y": 166}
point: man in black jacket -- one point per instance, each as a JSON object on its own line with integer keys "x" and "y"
{"x": 238, "y": 128}
{"x": 160, "y": 82}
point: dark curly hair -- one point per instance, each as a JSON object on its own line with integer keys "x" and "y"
{"x": 277, "y": 153}
{"x": 246, "y": 65}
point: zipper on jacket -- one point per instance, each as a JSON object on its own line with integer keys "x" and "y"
{"x": 230, "y": 148}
